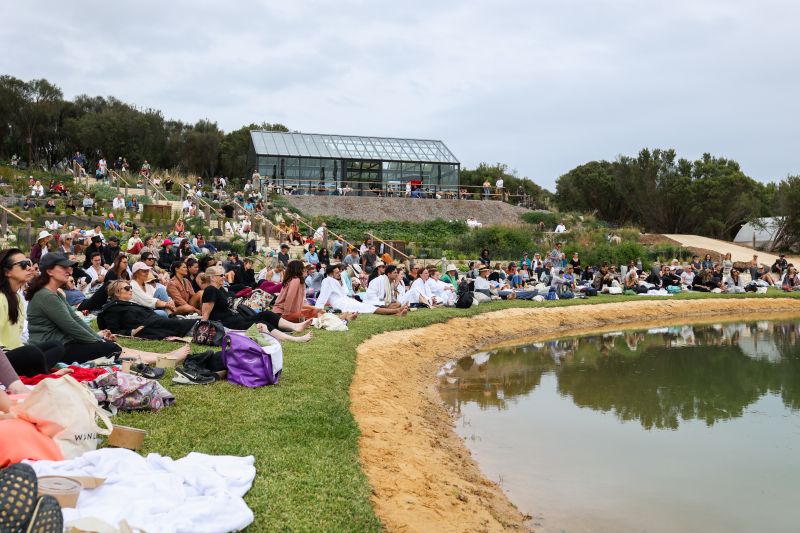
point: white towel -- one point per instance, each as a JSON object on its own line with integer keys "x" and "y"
{"x": 199, "y": 493}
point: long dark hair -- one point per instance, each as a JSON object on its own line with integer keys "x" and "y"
{"x": 5, "y": 285}
{"x": 122, "y": 273}
{"x": 294, "y": 269}
{"x": 37, "y": 284}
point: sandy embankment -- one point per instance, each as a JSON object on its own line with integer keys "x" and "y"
{"x": 422, "y": 475}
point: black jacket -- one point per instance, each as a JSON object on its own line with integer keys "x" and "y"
{"x": 109, "y": 253}
{"x": 166, "y": 258}
{"x": 121, "y": 317}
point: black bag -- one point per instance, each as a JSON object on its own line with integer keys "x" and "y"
{"x": 465, "y": 300}
{"x": 208, "y": 332}
{"x": 245, "y": 310}
{"x": 591, "y": 291}
{"x": 465, "y": 296}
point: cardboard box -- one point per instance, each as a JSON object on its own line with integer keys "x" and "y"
{"x": 126, "y": 437}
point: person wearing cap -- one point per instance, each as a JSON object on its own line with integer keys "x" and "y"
{"x": 41, "y": 246}
{"x": 110, "y": 223}
{"x": 525, "y": 261}
{"x": 215, "y": 307}
{"x": 145, "y": 291}
{"x": 451, "y": 275}
{"x": 167, "y": 256}
{"x": 51, "y": 319}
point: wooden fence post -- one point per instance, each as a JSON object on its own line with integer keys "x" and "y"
{"x": 325, "y": 238}
{"x": 5, "y": 223}
{"x": 28, "y": 234}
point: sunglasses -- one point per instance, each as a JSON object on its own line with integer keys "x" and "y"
{"x": 127, "y": 288}
{"x": 150, "y": 259}
{"x": 25, "y": 264}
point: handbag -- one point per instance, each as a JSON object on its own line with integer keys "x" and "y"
{"x": 126, "y": 392}
{"x": 73, "y": 407}
{"x": 208, "y": 332}
{"x": 245, "y": 310}
{"x": 249, "y": 364}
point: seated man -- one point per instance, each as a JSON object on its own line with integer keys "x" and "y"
{"x": 334, "y": 294}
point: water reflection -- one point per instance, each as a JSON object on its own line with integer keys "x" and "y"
{"x": 657, "y": 377}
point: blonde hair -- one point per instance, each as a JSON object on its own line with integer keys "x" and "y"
{"x": 215, "y": 271}
{"x": 115, "y": 286}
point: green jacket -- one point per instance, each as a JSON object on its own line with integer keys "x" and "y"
{"x": 51, "y": 319}
{"x": 452, "y": 281}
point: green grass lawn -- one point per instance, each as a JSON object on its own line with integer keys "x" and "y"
{"x": 301, "y": 431}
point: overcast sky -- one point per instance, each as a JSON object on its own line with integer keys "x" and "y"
{"x": 542, "y": 86}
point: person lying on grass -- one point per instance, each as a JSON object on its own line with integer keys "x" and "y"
{"x": 215, "y": 307}
{"x": 122, "y": 316}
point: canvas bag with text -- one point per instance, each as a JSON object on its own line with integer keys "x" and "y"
{"x": 73, "y": 407}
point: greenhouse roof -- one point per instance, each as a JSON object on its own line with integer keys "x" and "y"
{"x": 273, "y": 143}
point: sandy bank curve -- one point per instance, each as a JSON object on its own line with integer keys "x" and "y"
{"x": 422, "y": 475}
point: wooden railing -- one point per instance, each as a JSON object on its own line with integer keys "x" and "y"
{"x": 374, "y": 238}
{"x": 4, "y": 212}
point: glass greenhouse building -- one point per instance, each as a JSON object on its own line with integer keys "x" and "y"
{"x": 328, "y": 164}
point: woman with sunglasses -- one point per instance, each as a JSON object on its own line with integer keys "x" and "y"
{"x": 27, "y": 360}
{"x": 135, "y": 243}
{"x": 122, "y": 316}
{"x": 50, "y": 319}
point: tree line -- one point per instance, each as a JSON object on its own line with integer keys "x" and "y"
{"x": 659, "y": 192}
{"x": 41, "y": 127}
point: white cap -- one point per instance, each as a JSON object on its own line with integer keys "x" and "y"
{"x": 139, "y": 265}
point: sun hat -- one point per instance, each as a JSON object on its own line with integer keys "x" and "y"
{"x": 42, "y": 234}
{"x": 167, "y": 242}
{"x": 137, "y": 266}
{"x": 450, "y": 267}
{"x": 379, "y": 263}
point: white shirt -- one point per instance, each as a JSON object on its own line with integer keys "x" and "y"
{"x": 318, "y": 234}
{"x": 144, "y": 296}
{"x": 499, "y": 183}
{"x": 119, "y": 203}
{"x": 481, "y": 284}
{"x": 561, "y": 228}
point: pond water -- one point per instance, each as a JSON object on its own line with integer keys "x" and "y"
{"x": 692, "y": 428}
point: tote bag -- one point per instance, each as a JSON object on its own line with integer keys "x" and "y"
{"x": 73, "y": 407}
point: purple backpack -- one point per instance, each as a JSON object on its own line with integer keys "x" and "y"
{"x": 250, "y": 364}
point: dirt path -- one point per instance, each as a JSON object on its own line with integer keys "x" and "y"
{"x": 422, "y": 475}
{"x": 738, "y": 253}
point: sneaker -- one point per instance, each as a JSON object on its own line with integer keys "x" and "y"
{"x": 147, "y": 371}
{"x": 189, "y": 376}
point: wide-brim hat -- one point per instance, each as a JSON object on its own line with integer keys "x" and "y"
{"x": 450, "y": 268}
{"x": 43, "y": 234}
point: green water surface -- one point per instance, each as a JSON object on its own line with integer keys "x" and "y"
{"x": 693, "y": 428}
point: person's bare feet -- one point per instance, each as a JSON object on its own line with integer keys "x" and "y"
{"x": 303, "y": 325}
{"x": 63, "y": 371}
{"x": 403, "y": 311}
{"x": 136, "y": 331}
{"x": 303, "y": 338}
{"x": 180, "y": 354}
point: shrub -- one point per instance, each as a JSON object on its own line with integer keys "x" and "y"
{"x": 502, "y": 241}
{"x": 549, "y": 218}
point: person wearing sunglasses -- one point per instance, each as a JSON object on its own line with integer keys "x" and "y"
{"x": 122, "y": 316}
{"x": 51, "y": 319}
{"x": 16, "y": 271}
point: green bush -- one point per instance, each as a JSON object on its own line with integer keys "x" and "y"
{"x": 549, "y": 218}
{"x": 502, "y": 241}
{"x": 195, "y": 225}
{"x": 432, "y": 233}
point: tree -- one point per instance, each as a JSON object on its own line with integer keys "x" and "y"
{"x": 474, "y": 178}
{"x": 235, "y": 146}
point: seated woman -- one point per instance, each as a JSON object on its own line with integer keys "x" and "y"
{"x": 181, "y": 290}
{"x": 202, "y": 281}
{"x": 215, "y": 307}
{"x": 144, "y": 293}
{"x": 122, "y": 316}
{"x": 16, "y": 271}
{"x": 791, "y": 282}
{"x": 50, "y": 319}
{"x": 733, "y": 283}
{"x": 419, "y": 292}
{"x": 290, "y": 304}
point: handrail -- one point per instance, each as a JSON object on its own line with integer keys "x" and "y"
{"x": 309, "y": 226}
{"x": 373, "y": 237}
{"x": 13, "y": 214}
